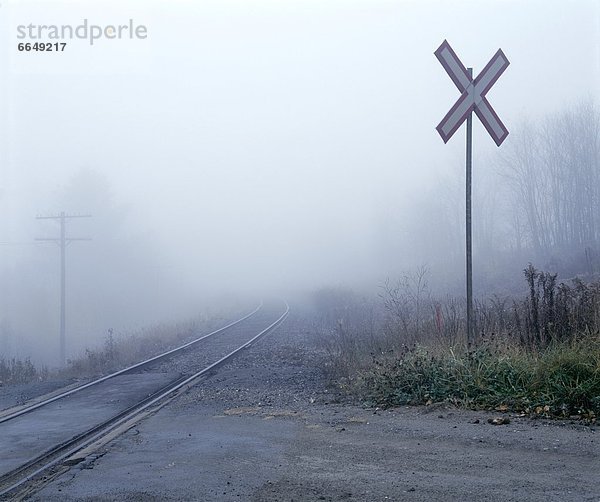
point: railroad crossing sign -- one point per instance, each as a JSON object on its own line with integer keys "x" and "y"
{"x": 472, "y": 99}
{"x": 473, "y": 94}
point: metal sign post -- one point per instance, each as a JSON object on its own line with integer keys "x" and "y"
{"x": 472, "y": 99}
{"x": 468, "y": 233}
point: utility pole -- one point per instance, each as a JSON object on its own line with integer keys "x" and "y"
{"x": 63, "y": 241}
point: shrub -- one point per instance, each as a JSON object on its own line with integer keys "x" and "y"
{"x": 563, "y": 379}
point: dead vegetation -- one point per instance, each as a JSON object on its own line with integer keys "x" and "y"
{"x": 536, "y": 354}
{"x": 118, "y": 350}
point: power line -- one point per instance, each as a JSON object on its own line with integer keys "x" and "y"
{"x": 9, "y": 243}
{"x": 63, "y": 241}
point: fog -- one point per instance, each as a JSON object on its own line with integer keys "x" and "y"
{"x": 254, "y": 148}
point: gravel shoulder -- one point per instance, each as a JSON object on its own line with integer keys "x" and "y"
{"x": 267, "y": 428}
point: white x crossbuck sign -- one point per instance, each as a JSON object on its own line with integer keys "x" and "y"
{"x": 473, "y": 94}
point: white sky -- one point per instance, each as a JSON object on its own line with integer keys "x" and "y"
{"x": 269, "y": 137}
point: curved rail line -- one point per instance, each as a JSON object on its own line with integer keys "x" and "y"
{"x": 147, "y": 362}
{"x": 67, "y": 452}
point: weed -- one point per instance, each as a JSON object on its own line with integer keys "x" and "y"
{"x": 16, "y": 371}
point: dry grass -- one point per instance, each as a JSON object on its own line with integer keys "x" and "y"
{"x": 119, "y": 350}
{"x": 537, "y": 354}
{"x": 17, "y": 371}
{"x": 122, "y": 350}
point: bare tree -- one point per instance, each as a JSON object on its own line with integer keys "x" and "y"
{"x": 553, "y": 171}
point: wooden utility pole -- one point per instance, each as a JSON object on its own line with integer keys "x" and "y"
{"x": 63, "y": 241}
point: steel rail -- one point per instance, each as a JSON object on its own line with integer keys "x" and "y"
{"x": 35, "y": 406}
{"x": 56, "y": 449}
{"x": 132, "y": 415}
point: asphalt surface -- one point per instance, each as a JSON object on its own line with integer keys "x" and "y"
{"x": 29, "y": 435}
{"x": 267, "y": 428}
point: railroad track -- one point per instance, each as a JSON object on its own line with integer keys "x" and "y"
{"x": 42, "y": 441}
